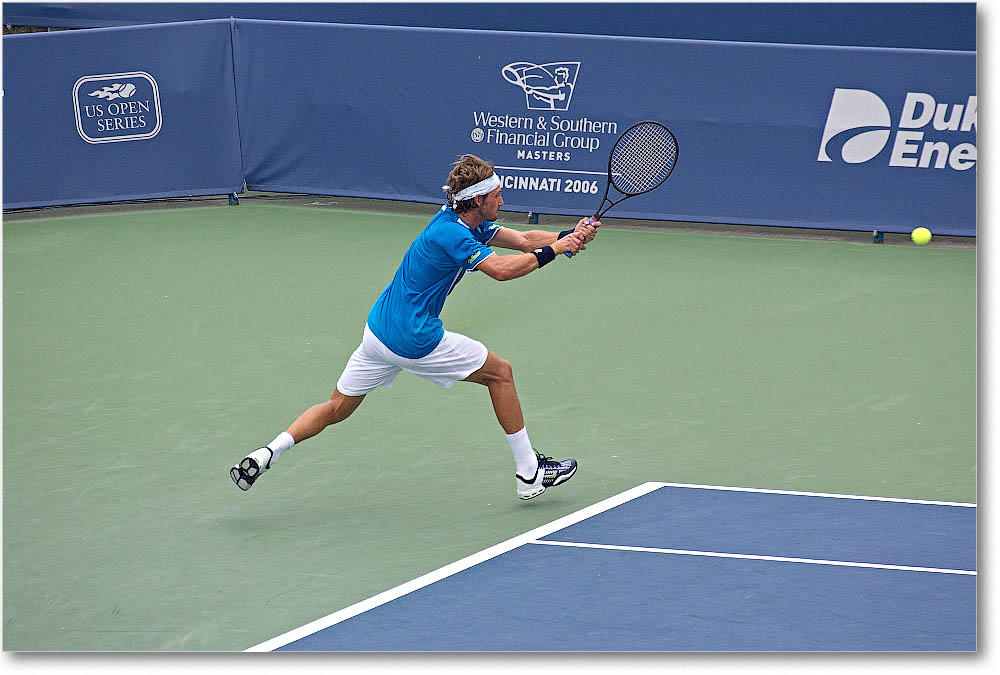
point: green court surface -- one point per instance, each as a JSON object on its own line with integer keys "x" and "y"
{"x": 146, "y": 351}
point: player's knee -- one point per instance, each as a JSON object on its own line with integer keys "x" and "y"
{"x": 339, "y": 412}
{"x": 504, "y": 371}
{"x": 495, "y": 371}
{"x": 340, "y": 407}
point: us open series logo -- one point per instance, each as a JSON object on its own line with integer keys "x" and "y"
{"x": 117, "y": 107}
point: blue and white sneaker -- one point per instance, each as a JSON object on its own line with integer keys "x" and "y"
{"x": 251, "y": 467}
{"x": 549, "y": 474}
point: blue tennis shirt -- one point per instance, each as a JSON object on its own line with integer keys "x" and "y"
{"x": 406, "y": 315}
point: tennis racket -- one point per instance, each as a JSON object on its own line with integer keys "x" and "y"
{"x": 641, "y": 159}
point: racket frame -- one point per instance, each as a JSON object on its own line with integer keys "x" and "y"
{"x": 601, "y": 210}
{"x": 625, "y": 195}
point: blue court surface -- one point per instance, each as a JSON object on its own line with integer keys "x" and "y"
{"x": 672, "y": 567}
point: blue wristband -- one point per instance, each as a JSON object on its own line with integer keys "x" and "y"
{"x": 545, "y": 255}
{"x": 565, "y": 232}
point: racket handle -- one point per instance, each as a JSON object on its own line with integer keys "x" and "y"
{"x": 567, "y": 253}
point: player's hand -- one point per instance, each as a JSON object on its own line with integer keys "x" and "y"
{"x": 571, "y": 242}
{"x": 587, "y": 229}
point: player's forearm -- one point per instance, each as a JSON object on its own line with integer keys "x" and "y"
{"x": 504, "y": 268}
{"x": 537, "y": 238}
{"x": 507, "y": 267}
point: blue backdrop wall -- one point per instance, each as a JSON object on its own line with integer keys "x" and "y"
{"x": 70, "y": 137}
{"x": 920, "y": 25}
{"x": 773, "y": 134}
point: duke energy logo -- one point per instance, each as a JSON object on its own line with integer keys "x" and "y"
{"x": 548, "y": 86}
{"x": 117, "y": 107}
{"x": 926, "y": 133}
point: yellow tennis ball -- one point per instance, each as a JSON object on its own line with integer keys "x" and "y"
{"x": 920, "y": 236}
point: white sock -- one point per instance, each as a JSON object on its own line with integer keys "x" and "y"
{"x": 282, "y": 442}
{"x": 525, "y": 461}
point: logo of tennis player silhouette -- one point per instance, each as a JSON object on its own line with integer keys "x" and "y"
{"x": 546, "y": 87}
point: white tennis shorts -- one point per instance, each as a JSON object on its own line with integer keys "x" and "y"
{"x": 374, "y": 365}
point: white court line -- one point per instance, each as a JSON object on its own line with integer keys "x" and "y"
{"x": 454, "y": 568}
{"x": 532, "y": 537}
{"x": 743, "y": 556}
{"x": 816, "y": 494}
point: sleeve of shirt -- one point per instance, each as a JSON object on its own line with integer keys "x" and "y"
{"x": 463, "y": 248}
{"x": 487, "y": 231}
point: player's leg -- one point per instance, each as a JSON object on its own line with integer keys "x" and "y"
{"x": 318, "y": 417}
{"x": 364, "y": 372}
{"x": 312, "y": 421}
{"x": 498, "y": 376}
{"x": 534, "y": 471}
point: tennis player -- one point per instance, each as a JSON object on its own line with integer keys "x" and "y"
{"x": 404, "y": 331}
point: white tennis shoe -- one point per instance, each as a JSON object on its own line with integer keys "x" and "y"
{"x": 549, "y": 474}
{"x": 251, "y": 467}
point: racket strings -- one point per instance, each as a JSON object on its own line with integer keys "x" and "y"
{"x": 643, "y": 158}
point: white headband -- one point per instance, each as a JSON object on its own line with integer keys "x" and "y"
{"x": 483, "y": 187}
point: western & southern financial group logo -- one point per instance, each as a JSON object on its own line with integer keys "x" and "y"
{"x": 925, "y": 131}
{"x": 548, "y": 86}
{"x": 117, "y": 107}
